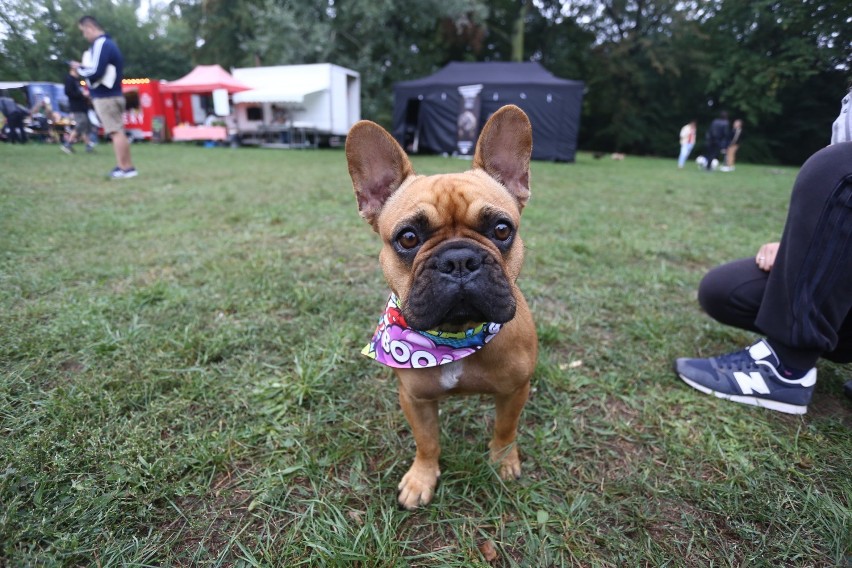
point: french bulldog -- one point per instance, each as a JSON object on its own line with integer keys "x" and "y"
{"x": 456, "y": 322}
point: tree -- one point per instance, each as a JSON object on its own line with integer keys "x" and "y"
{"x": 290, "y": 32}
{"x": 643, "y": 71}
{"x": 387, "y": 41}
{"x": 653, "y": 65}
{"x": 34, "y": 42}
{"x": 789, "y": 59}
{"x": 649, "y": 65}
{"x": 220, "y": 29}
{"x": 41, "y": 35}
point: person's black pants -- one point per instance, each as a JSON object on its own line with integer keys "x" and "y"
{"x": 15, "y": 122}
{"x": 803, "y": 304}
{"x": 711, "y": 152}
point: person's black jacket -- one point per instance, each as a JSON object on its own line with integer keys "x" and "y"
{"x": 76, "y": 99}
{"x": 719, "y": 133}
{"x": 11, "y": 109}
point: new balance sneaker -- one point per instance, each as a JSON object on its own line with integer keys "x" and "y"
{"x": 66, "y": 147}
{"x": 752, "y": 376}
{"x": 118, "y": 173}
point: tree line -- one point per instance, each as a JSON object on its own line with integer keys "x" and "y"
{"x": 649, "y": 66}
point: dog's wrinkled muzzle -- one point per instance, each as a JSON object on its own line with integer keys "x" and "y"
{"x": 460, "y": 283}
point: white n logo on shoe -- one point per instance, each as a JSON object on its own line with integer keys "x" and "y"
{"x": 751, "y": 382}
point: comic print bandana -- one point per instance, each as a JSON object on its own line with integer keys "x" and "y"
{"x": 396, "y": 345}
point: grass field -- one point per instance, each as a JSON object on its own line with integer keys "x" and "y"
{"x": 181, "y": 384}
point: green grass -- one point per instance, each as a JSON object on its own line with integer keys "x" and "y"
{"x": 181, "y": 384}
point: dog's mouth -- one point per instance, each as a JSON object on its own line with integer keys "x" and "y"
{"x": 464, "y": 313}
{"x": 460, "y": 315}
{"x": 459, "y": 286}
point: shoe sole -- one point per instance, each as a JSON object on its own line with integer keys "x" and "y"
{"x": 67, "y": 150}
{"x": 123, "y": 175}
{"x": 751, "y": 400}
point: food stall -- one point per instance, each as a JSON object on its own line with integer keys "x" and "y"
{"x": 204, "y": 80}
{"x": 150, "y": 113}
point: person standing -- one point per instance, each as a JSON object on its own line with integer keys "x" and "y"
{"x": 733, "y": 146}
{"x": 103, "y": 69}
{"x": 78, "y": 104}
{"x": 716, "y": 140}
{"x": 687, "y": 142}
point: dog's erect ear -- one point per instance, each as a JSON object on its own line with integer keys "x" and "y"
{"x": 504, "y": 149}
{"x": 377, "y": 166}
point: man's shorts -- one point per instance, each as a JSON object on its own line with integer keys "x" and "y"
{"x": 111, "y": 113}
{"x": 83, "y": 126}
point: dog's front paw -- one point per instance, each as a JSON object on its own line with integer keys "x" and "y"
{"x": 418, "y": 485}
{"x": 509, "y": 462}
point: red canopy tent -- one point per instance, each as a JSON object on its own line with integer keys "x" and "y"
{"x": 202, "y": 80}
{"x": 205, "y": 79}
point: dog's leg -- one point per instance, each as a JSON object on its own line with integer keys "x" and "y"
{"x": 504, "y": 450}
{"x": 418, "y": 485}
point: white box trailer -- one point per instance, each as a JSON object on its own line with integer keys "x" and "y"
{"x": 296, "y": 105}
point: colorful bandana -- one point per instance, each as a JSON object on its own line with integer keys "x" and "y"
{"x": 396, "y": 345}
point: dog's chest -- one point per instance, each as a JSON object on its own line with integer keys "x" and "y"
{"x": 461, "y": 377}
{"x": 451, "y": 374}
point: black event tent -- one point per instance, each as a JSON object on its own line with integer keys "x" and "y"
{"x": 426, "y": 111}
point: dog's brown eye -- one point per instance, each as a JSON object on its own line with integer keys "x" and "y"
{"x": 408, "y": 240}
{"x": 502, "y": 231}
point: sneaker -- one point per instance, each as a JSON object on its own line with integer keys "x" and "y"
{"x": 90, "y": 148}
{"x": 725, "y": 169}
{"x": 65, "y": 147}
{"x": 118, "y": 173}
{"x": 750, "y": 376}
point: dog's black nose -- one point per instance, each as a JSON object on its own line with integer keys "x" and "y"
{"x": 459, "y": 261}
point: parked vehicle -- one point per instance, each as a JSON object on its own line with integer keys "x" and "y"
{"x": 297, "y": 105}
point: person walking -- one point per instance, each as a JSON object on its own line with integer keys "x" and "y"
{"x": 103, "y": 69}
{"x": 687, "y": 142}
{"x": 78, "y": 104}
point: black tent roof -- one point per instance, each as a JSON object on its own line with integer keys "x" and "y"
{"x": 490, "y": 73}
{"x": 427, "y": 109}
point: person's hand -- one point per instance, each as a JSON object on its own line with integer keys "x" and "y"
{"x": 75, "y": 64}
{"x": 766, "y": 256}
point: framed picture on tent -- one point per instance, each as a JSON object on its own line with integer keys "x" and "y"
{"x": 468, "y": 119}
